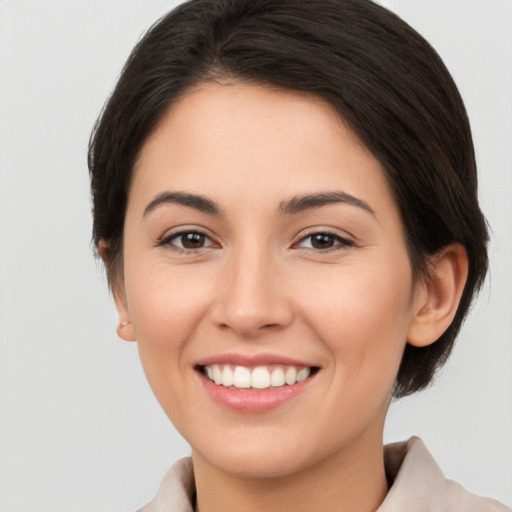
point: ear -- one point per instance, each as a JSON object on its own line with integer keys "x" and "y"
{"x": 124, "y": 328}
{"x": 438, "y": 297}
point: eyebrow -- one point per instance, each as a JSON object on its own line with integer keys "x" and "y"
{"x": 198, "y": 202}
{"x": 302, "y": 203}
{"x": 292, "y": 206}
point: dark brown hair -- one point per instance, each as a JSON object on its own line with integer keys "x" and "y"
{"x": 385, "y": 81}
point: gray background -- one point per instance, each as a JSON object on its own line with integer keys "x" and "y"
{"x": 79, "y": 427}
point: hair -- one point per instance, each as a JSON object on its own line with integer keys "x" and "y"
{"x": 384, "y": 80}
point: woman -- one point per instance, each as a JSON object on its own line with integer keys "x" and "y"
{"x": 285, "y": 200}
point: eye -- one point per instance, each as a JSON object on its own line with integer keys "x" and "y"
{"x": 324, "y": 241}
{"x": 188, "y": 240}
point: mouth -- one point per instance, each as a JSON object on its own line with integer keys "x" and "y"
{"x": 255, "y": 383}
{"x": 256, "y": 378}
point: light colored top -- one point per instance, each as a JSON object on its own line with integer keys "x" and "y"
{"x": 418, "y": 485}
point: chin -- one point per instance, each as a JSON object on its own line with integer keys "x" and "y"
{"x": 259, "y": 454}
{"x": 260, "y": 465}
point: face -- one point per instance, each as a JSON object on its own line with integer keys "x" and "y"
{"x": 266, "y": 279}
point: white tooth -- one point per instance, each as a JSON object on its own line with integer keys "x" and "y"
{"x": 242, "y": 377}
{"x": 260, "y": 378}
{"x": 290, "y": 376}
{"x": 217, "y": 374}
{"x": 302, "y": 374}
{"x": 277, "y": 377}
{"x": 209, "y": 372}
{"x": 227, "y": 376}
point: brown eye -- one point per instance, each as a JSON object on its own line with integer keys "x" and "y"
{"x": 193, "y": 240}
{"x": 187, "y": 240}
{"x": 324, "y": 241}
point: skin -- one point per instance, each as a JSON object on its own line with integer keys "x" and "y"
{"x": 259, "y": 285}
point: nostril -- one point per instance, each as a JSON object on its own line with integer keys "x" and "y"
{"x": 250, "y": 315}
{"x": 254, "y": 331}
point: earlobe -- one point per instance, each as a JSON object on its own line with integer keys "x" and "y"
{"x": 124, "y": 328}
{"x": 125, "y": 331}
{"x": 439, "y": 297}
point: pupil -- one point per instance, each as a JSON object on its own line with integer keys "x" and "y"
{"x": 322, "y": 241}
{"x": 193, "y": 240}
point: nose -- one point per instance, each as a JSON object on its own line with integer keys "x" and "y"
{"x": 252, "y": 298}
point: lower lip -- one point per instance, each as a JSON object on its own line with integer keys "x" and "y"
{"x": 253, "y": 401}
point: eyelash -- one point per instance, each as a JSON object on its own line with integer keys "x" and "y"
{"x": 338, "y": 241}
{"x": 168, "y": 241}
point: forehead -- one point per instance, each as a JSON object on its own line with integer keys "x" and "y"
{"x": 253, "y": 142}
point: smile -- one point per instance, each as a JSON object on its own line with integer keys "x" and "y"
{"x": 254, "y": 383}
{"x": 256, "y": 378}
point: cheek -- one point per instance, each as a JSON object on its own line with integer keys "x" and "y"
{"x": 165, "y": 303}
{"x": 166, "y": 307}
{"x": 362, "y": 316}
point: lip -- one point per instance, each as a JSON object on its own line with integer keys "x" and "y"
{"x": 254, "y": 401}
{"x": 265, "y": 359}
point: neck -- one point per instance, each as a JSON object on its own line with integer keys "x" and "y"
{"x": 354, "y": 479}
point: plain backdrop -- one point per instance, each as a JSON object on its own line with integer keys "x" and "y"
{"x": 79, "y": 428}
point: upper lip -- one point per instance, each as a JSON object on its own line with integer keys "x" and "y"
{"x": 251, "y": 360}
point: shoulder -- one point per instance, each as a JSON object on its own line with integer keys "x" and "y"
{"x": 419, "y": 484}
{"x": 176, "y": 492}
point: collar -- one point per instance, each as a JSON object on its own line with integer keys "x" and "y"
{"x": 418, "y": 485}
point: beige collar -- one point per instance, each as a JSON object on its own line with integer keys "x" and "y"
{"x": 418, "y": 485}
